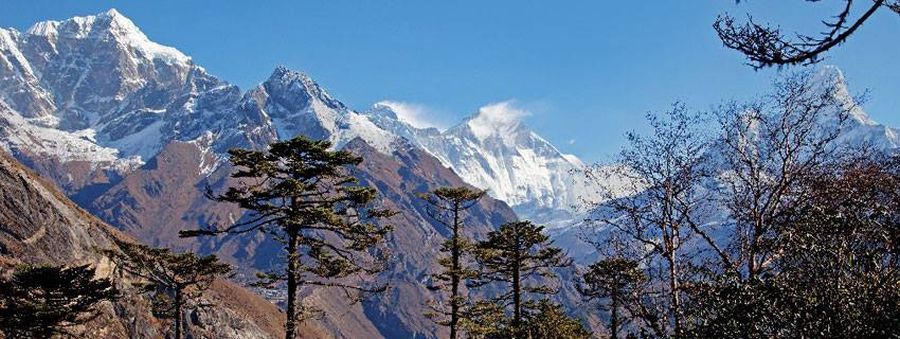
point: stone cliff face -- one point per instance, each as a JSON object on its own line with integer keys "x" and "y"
{"x": 39, "y": 225}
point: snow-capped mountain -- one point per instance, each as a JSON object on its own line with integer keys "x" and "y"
{"x": 859, "y": 128}
{"x": 293, "y": 104}
{"x": 96, "y": 90}
{"x": 494, "y": 150}
{"x": 856, "y": 130}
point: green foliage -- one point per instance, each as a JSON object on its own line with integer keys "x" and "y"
{"x": 447, "y": 205}
{"x": 485, "y": 319}
{"x": 304, "y": 195}
{"x": 521, "y": 259}
{"x": 43, "y": 301}
{"x": 611, "y": 277}
{"x": 543, "y": 319}
{"x": 172, "y": 279}
{"x": 549, "y": 320}
{"x": 617, "y": 280}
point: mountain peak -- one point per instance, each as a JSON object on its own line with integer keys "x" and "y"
{"x": 832, "y": 78}
{"x": 111, "y": 12}
{"x": 284, "y": 74}
{"x": 85, "y": 25}
{"x": 110, "y": 23}
{"x": 502, "y": 119}
{"x": 295, "y": 83}
{"x": 383, "y": 108}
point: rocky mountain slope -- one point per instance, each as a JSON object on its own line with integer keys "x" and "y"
{"x": 38, "y": 225}
{"x": 88, "y": 99}
{"x": 159, "y": 199}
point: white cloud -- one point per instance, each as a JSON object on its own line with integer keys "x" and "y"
{"x": 417, "y": 115}
{"x": 497, "y": 118}
{"x": 571, "y": 141}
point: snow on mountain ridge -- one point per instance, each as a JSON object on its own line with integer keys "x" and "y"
{"x": 110, "y": 22}
{"x": 95, "y": 88}
{"x": 294, "y": 104}
{"x": 860, "y": 127}
{"x": 413, "y": 114}
{"x": 502, "y": 120}
{"x": 494, "y": 150}
{"x": 127, "y": 97}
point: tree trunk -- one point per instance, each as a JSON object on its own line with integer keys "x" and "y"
{"x": 752, "y": 266}
{"x": 178, "y": 316}
{"x": 517, "y": 286}
{"x": 290, "y": 326}
{"x": 674, "y": 286}
{"x": 517, "y": 302}
{"x": 454, "y": 275}
{"x": 614, "y": 317}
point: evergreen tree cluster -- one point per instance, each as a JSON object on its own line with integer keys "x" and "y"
{"x": 49, "y": 301}
{"x": 514, "y": 264}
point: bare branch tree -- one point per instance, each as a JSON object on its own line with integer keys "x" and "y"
{"x": 766, "y": 45}
{"x": 769, "y": 149}
{"x": 658, "y": 214}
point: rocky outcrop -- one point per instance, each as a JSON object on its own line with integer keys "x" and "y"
{"x": 39, "y": 225}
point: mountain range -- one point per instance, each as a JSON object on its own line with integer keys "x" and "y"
{"x": 133, "y": 132}
{"x": 95, "y": 96}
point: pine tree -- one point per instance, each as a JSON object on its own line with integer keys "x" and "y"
{"x": 448, "y": 205}
{"x": 520, "y": 256}
{"x": 43, "y": 301}
{"x": 549, "y": 320}
{"x": 172, "y": 278}
{"x": 544, "y": 319}
{"x": 615, "y": 279}
{"x": 485, "y": 319}
{"x": 303, "y": 194}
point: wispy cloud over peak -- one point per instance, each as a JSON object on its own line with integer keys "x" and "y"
{"x": 496, "y": 118}
{"x": 417, "y": 115}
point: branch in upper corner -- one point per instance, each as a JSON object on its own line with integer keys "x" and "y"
{"x": 766, "y": 45}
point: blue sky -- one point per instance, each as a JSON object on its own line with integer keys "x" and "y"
{"x": 586, "y": 70}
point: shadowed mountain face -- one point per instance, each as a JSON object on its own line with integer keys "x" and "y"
{"x": 158, "y": 200}
{"x": 39, "y": 226}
